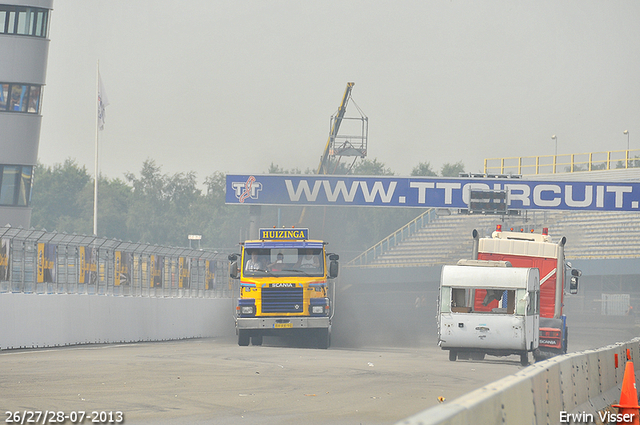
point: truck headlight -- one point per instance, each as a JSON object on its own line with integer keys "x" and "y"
{"x": 319, "y": 306}
{"x": 246, "y": 307}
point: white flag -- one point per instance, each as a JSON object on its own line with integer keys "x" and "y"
{"x": 103, "y": 102}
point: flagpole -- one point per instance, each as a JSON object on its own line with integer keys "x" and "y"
{"x": 95, "y": 186}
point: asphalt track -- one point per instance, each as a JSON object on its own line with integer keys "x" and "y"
{"x": 214, "y": 381}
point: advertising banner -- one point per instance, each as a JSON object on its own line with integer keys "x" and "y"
{"x": 210, "y": 274}
{"x": 46, "y": 271}
{"x": 421, "y": 192}
{"x": 184, "y": 272}
{"x": 88, "y": 265}
{"x": 5, "y": 259}
{"x": 157, "y": 269}
{"x": 122, "y": 268}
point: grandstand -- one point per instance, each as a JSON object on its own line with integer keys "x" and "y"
{"x": 447, "y": 238}
{"x": 443, "y": 237}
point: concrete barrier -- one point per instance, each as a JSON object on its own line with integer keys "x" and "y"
{"x": 30, "y": 320}
{"x": 580, "y": 384}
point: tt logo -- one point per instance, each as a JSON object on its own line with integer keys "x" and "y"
{"x": 248, "y": 189}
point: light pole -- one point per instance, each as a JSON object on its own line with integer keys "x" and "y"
{"x": 627, "y": 154}
{"x": 555, "y": 156}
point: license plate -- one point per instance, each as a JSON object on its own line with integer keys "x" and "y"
{"x": 283, "y": 325}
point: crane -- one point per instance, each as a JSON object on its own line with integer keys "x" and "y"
{"x": 350, "y": 145}
{"x": 335, "y": 127}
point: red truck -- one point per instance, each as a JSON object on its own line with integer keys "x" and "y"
{"x": 528, "y": 249}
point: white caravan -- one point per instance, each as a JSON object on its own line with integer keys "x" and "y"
{"x": 488, "y": 307}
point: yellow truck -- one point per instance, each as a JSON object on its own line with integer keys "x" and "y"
{"x": 286, "y": 286}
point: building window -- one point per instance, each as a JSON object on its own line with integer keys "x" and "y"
{"x": 20, "y": 98}
{"x": 24, "y": 187}
{"x": 15, "y": 185}
{"x": 20, "y": 20}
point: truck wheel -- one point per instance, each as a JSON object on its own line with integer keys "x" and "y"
{"x": 256, "y": 340}
{"x": 453, "y": 355}
{"x": 537, "y": 355}
{"x": 477, "y": 356}
{"x": 243, "y": 337}
{"x": 524, "y": 358}
{"x": 324, "y": 338}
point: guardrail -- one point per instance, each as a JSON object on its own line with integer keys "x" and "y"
{"x": 41, "y": 262}
{"x": 569, "y": 163}
{"x": 405, "y": 232}
{"x": 585, "y": 383}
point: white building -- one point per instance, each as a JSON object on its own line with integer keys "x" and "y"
{"x": 24, "y": 47}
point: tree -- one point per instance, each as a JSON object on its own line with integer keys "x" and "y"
{"x": 114, "y": 199}
{"x": 162, "y": 207}
{"x": 145, "y": 221}
{"x": 336, "y": 167}
{"x": 276, "y": 169}
{"x": 372, "y": 168}
{"x": 452, "y": 170}
{"x": 225, "y": 223}
{"x": 633, "y": 163}
{"x": 423, "y": 169}
{"x": 57, "y": 199}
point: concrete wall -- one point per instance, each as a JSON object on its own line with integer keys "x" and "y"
{"x": 29, "y": 320}
{"x": 578, "y": 383}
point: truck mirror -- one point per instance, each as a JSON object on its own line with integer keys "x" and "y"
{"x": 233, "y": 257}
{"x": 233, "y": 270}
{"x": 576, "y": 272}
{"x": 334, "y": 257}
{"x": 333, "y": 269}
{"x": 573, "y": 285}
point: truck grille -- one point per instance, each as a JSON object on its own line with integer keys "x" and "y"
{"x": 282, "y": 300}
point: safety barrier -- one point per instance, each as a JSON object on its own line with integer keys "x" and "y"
{"x": 60, "y": 289}
{"x": 31, "y": 321}
{"x": 573, "y": 388}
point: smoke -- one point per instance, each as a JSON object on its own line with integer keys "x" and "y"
{"x": 383, "y": 314}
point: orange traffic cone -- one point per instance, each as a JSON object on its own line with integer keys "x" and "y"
{"x": 629, "y": 396}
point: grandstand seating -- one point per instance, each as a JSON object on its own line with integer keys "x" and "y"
{"x": 447, "y": 238}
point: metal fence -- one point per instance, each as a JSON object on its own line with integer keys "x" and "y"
{"x": 615, "y": 304}
{"x": 41, "y": 262}
{"x": 564, "y": 163}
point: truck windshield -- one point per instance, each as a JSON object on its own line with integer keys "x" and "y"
{"x": 283, "y": 262}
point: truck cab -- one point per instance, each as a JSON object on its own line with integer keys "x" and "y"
{"x": 286, "y": 286}
{"x": 529, "y": 249}
{"x": 488, "y": 307}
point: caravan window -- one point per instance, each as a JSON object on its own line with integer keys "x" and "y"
{"x": 476, "y": 300}
{"x": 494, "y": 301}
{"x": 460, "y": 300}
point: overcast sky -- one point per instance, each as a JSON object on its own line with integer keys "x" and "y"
{"x": 233, "y": 86}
